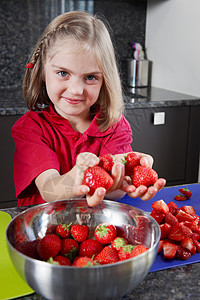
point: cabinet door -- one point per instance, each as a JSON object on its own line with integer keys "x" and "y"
{"x": 8, "y": 197}
{"x": 167, "y": 142}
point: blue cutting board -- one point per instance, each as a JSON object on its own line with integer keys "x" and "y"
{"x": 167, "y": 194}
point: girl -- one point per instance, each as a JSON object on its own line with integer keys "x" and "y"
{"x": 72, "y": 88}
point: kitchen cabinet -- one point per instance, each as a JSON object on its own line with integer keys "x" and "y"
{"x": 174, "y": 144}
{"x": 8, "y": 197}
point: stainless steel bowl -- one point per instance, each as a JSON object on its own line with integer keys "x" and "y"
{"x": 110, "y": 281}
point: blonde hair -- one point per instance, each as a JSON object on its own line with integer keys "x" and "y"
{"x": 93, "y": 32}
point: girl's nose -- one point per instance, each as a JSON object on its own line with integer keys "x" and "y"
{"x": 75, "y": 87}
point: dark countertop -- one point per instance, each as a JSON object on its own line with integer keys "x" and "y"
{"x": 12, "y": 101}
{"x": 178, "y": 283}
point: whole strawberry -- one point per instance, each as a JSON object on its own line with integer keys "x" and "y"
{"x": 95, "y": 177}
{"x": 130, "y": 161}
{"x": 48, "y": 246}
{"x": 107, "y": 256}
{"x": 85, "y": 262}
{"x": 186, "y": 192}
{"x": 107, "y": 162}
{"x": 63, "y": 230}
{"x": 118, "y": 242}
{"x": 144, "y": 176}
{"x": 137, "y": 250}
{"x": 90, "y": 248}
{"x": 125, "y": 252}
{"x": 60, "y": 260}
{"x": 69, "y": 248}
{"x": 79, "y": 232}
{"x": 105, "y": 233}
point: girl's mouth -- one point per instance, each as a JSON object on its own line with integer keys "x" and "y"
{"x": 72, "y": 101}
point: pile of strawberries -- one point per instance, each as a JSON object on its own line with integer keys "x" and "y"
{"x": 180, "y": 230}
{"x": 100, "y": 175}
{"x": 67, "y": 244}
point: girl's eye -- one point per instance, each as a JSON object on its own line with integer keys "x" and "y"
{"x": 91, "y": 78}
{"x": 63, "y": 73}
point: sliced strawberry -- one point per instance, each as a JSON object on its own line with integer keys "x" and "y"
{"x": 183, "y": 216}
{"x": 193, "y": 226}
{"x": 197, "y": 245}
{"x": 188, "y": 209}
{"x": 173, "y": 208}
{"x": 171, "y": 219}
{"x": 186, "y": 192}
{"x": 188, "y": 244}
{"x": 180, "y": 198}
{"x": 160, "y": 245}
{"x": 187, "y": 232}
{"x": 157, "y": 215}
{"x": 182, "y": 253}
{"x": 161, "y": 206}
{"x": 169, "y": 250}
{"x": 195, "y": 236}
{"x": 176, "y": 233}
{"x": 165, "y": 230}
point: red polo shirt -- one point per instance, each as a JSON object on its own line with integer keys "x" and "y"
{"x": 45, "y": 140}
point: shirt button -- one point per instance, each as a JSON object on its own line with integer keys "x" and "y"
{"x": 75, "y": 138}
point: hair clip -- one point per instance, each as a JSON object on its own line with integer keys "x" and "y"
{"x": 29, "y": 65}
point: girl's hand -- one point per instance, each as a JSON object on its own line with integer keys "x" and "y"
{"x": 142, "y": 191}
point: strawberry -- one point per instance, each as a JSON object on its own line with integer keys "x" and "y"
{"x": 187, "y": 232}
{"x": 28, "y": 248}
{"x": 118, "y": 242}
{"x": 173, "y": 208}
{"x": 182, "y": 253}
{"x": 48, "y": 246}
{"x": 107, "y": 256}
{"x": 105, "y": 233}
{"x": 160, "y": 245}
{"x": 60, "y": 260}
{"x": 188, "y": 244}
{"x": 95, "y": 177}
{"x": 186, "y": 192}
{"x": 170, "y": 219}
{"x": 193, "y": 226}
{"x": 183, "y": 216}
{"x": 176, "y": 233}
{"x": 90, "y": 248}
{"x": 137, "y": 250}
{"x": 85, "y": 262}
{"x": 157, "y": 215}
{"x": 188, "y": 209}
{"x": 130, "y": 161}
{"x": 161, "y": 206}
{"x": 169, "y": 250}
{"x": 63, "y": 230}
{"x": 79, "y": 232}
{"x": 125, "y": 252}
{"x": 165, "y": 230}
{"x": 106, "y": 162}
{"x": 144, "y": 176}
{"x": 197, "y": 245}
{"x": 69, "y": 248}
{"x": 180, "y": 198}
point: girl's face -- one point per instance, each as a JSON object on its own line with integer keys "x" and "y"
{"x": 73, "y": 79}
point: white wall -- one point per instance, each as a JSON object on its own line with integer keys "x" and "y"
{"x": 173, "y": 44}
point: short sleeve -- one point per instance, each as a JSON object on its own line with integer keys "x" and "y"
{"x": 33, "y": 154}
